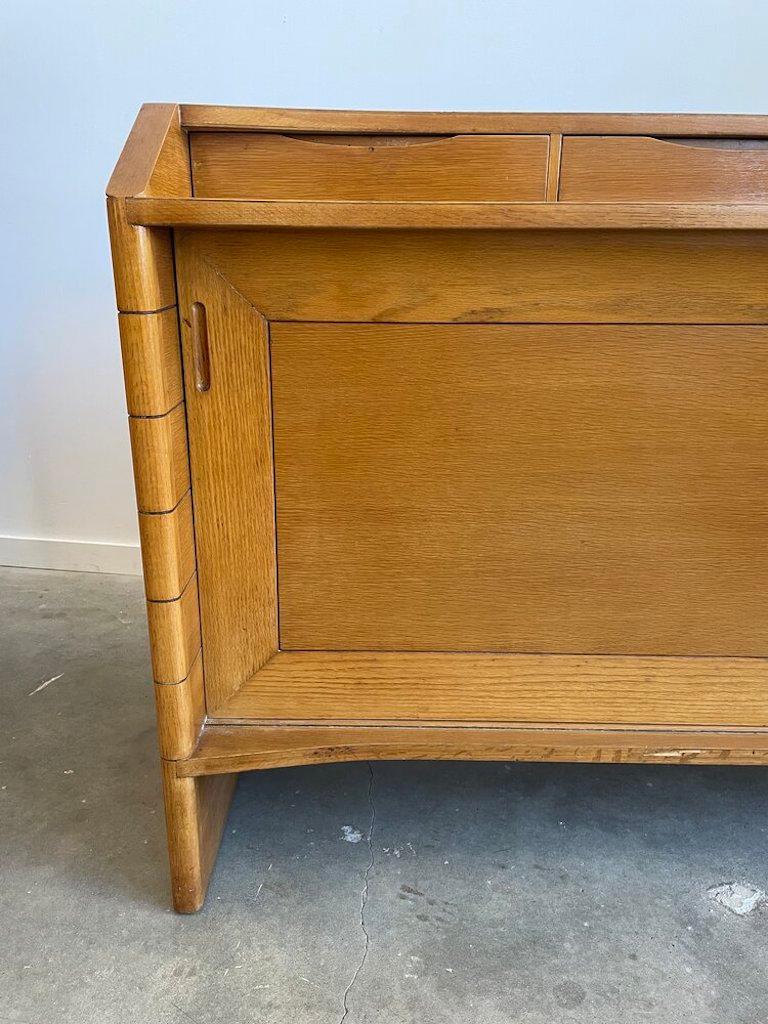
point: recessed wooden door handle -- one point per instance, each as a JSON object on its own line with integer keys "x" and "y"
{"x": 200, "y": 353}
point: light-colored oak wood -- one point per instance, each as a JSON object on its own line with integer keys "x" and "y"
{"x": 196, "y": 117}
{"x": 500, "y": 168}
{"x": 154, "y": 162}
{"x": 167, "y": 550}
{"x": 239, "y": 748}
{"x": 485, "y": 276}
{"x": 593, "y": 489}
{"x": 151, "y": 362}
{"x": 155, "y": 158}
{"x": 195, "y": 812}
{"x": 647, "y": 170}
{"x": 160, "y": 462}
{"x": 230, "y": 438}
{"x": 431, "y": 688}
{"x": 242, "y": 213}
{"x": 180, "y": 713}
{"x": 171, "y": 172}
{"x": 553, "y": 167}
{"x": 174, "y": 633}
{"x": 439, "y": 478}
{"x": 142, "y": 263}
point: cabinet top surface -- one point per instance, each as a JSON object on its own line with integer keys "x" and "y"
{"x": 206, "y": 166}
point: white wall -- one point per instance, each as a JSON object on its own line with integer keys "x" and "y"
{"x": 72, "y": 76}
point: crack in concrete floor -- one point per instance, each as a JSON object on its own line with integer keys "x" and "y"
{"x": 363, "y": 897}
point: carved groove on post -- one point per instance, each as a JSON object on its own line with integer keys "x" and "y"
{"x": 174, "y": 633}
{"x": 180, "y": 713}
{"x": 160, "y": 459}
{"x": 168, "y": 550}
{"x": 151, "y": 361}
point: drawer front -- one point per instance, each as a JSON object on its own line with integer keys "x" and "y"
{"x": 615, "y": 169}
{"x": 536, "y": 489}
{"x": 499, "y": 168}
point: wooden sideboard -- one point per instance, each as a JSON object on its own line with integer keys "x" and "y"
{"x": 450, "y": 436}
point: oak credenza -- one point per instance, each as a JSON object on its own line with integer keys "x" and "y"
{"x": 450, "y": 436}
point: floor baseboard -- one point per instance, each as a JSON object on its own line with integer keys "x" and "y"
{"x": 83, "y": 556}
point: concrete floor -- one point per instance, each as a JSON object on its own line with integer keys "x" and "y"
{"x": 495, "y": 893}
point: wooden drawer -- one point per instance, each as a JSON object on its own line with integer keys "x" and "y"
{"x": 499, "y": 168}
{"x": 615, "y": 169}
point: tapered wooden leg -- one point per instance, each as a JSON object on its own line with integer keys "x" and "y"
{"x": 195, "y": 812}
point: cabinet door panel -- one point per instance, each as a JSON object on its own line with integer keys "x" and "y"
{"x": 543, "y": 489}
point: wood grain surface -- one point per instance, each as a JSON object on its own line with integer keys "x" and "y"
{"x": 230, "y": 441}
{"x": 486, "y": 276}
{"x": 155, "y": 157}
{"x": 195, "y": 813}
{"x": 180, "y": 713}
{"x": 230, "y": 748}
{"x": 212, "y": 117}
{"x": 142, "y": 263}
{"x": 508, "y": 689}
{"x": 160, "y": 459}
{"x": 445, "y": 216}
{"x": 642, "y": 170}
{"x": 174, "y": 635}
{"x": 498, "y": 168}
{"x": 151, "y": 361}
{"x": 167, "y": 550}
{"x": 543, "y": 488}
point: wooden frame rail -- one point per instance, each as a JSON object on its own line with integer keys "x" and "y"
{"x": 243, "y": 213}
{"x": 195, "y": 117}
